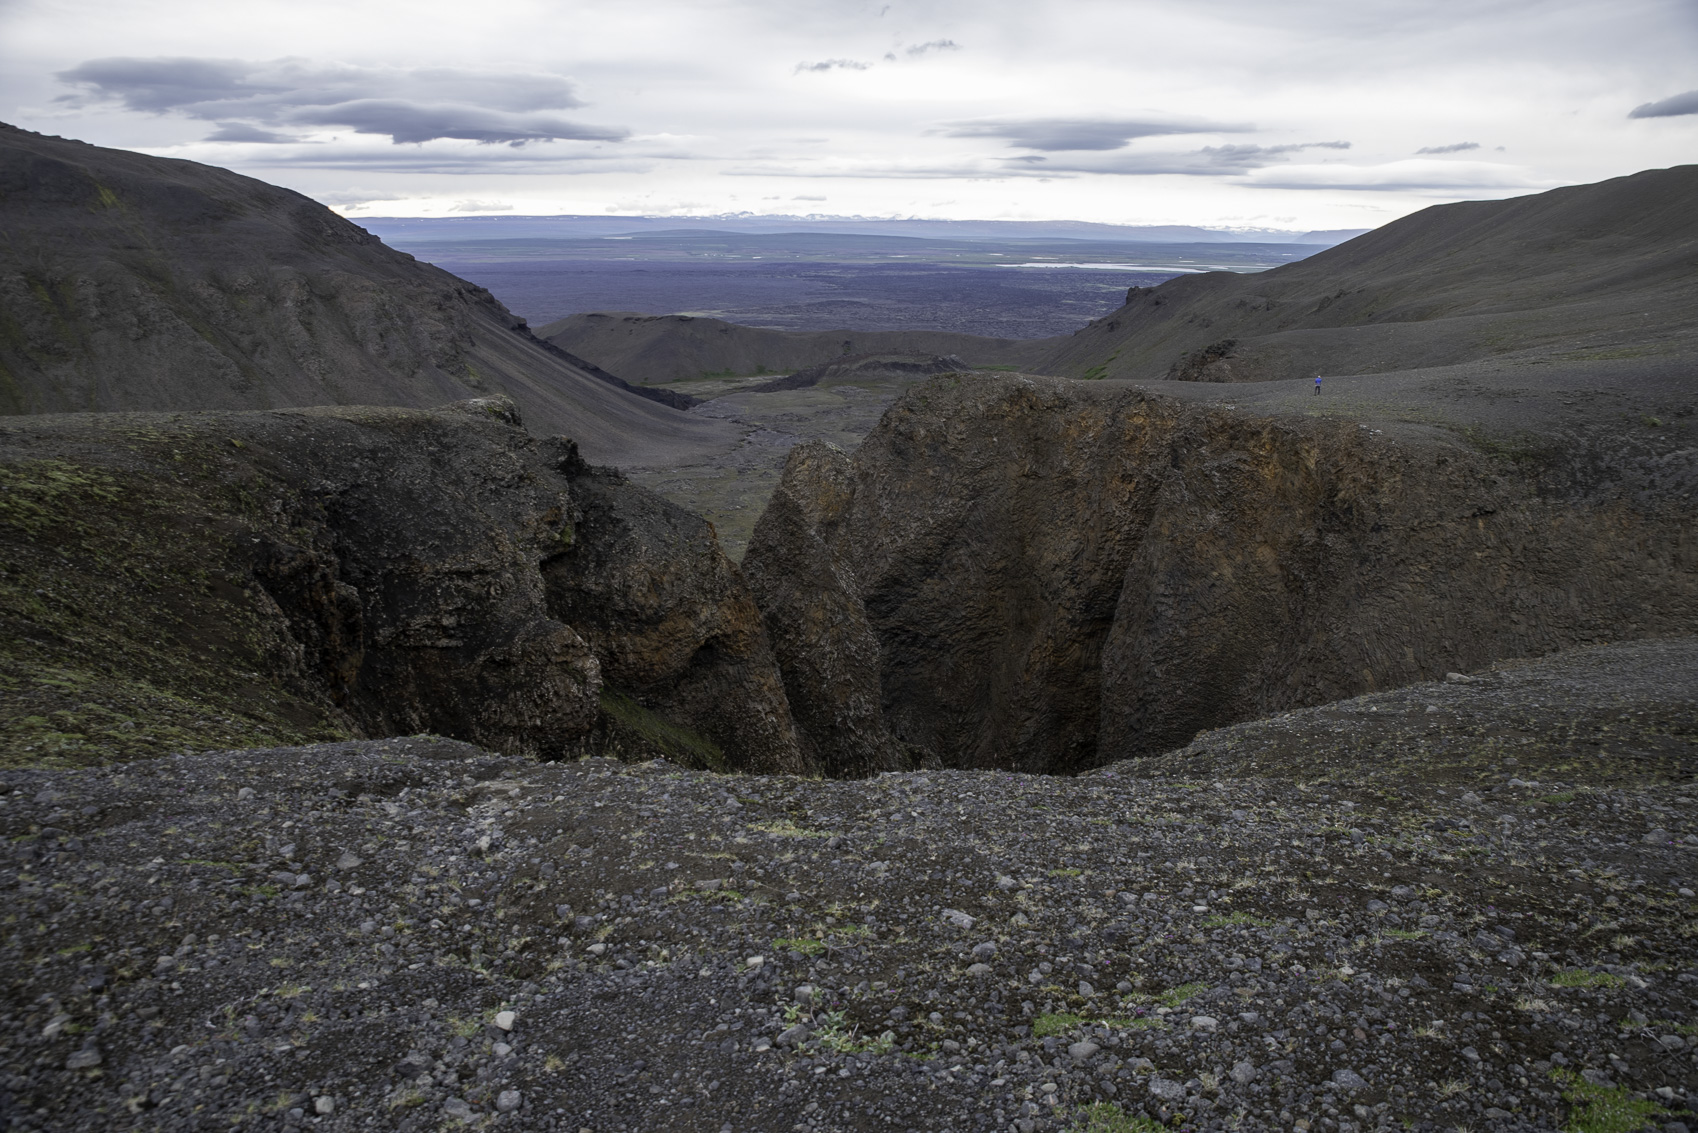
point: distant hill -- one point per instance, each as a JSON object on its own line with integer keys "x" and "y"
{"x": 130, "y": 282}
{"x": 480, "y": 228}
{"x": 1603, "y": 270}
{"x": 670, "y": 348}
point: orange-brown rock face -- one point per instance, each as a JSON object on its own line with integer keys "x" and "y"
{"x": 674, "y": 627}
{"x": 802, "y": 578}
{"x": 1059, "y": 574}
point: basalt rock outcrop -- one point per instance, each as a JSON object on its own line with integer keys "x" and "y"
{"x": 130, "y": 282}
{"x": 801, "y": 574}
{"x": 226, "y": 577}
{"x": 1060, "y": 574}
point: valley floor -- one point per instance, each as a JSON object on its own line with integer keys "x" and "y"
{"x": 1461, "y": 905}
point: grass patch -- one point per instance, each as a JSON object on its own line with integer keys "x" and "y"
{"x": 1229, "y": 919}
{"x": 1603, "y": 1109}
{"x": 1404, "y": 934}
{"x": 1065, "y": 872}
{"x": 1579, "y": 977}
{"x": 784, "y": 828}
{"x": 1560, "y": 797}
{"x": 651, "y": 730}
{"x": 1055, "y": 1024}
{"x": 1106, "y": 1117}
{"x": 1173, "y": 997}
{"x": 805, "y": 945}
{"x": 833, "y": 1031}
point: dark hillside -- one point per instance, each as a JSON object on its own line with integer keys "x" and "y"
{"x": 130, "y": 282}
{"x": 1606, "y": 270}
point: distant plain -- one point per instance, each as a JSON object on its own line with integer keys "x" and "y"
{"x": 829, "y": 281}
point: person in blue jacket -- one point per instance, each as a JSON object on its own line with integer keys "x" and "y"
{"x": 1317, "y": 383}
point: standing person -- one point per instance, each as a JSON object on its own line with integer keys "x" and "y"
{"x": 1317, "y": 383}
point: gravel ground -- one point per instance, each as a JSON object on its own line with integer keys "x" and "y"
{"x": 1465, "y": 905}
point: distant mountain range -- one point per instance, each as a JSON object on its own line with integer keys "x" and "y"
{"x": 567, "y": 227}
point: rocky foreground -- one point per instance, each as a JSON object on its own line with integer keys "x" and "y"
{"x": 1466, "y": 904}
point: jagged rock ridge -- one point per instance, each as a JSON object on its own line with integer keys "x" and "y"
{"x": 241, "y": 578}
{"x": 1060, "y": 574}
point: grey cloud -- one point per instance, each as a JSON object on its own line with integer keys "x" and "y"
{"x": 480, "y": 206}
{"x": 1210, "y": 161}
{"x": 409, "y": 122}
{"x": 408, "y": 104}
{"x": 242, "y": 132}
{"x": 1062, "y": 134}
{"x": 833, "y": 65}
{"x": 934, "y": 45}
{"x": 1254, "y": 157}
{"x": 1669, "y": 107}
{"x": 1454, "y": 147}
{"x": 159, "y": 85}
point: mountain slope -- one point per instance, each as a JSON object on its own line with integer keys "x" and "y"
{"x": 1609, "y": 269}
{"x": 130, "y": 282}
{"x": 670, "y": 348}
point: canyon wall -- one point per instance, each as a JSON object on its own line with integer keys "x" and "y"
{"x": 242, "y": 578}
{"x": 1059, "y": 574}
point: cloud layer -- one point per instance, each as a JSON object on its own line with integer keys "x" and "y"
{"x": 1312, "y": 114}
{"x": 256, "y": 102}
{"x": 1669, "y": 107}
{"x": 1062, "y": 134}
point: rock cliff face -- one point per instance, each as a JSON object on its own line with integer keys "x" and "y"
{"x": 232, "y": 578}
{"x": 800, "y": 571}
{"x": 130, "y": 282}
{"x": 676, "y": 630}
{"x": 1059, "y": 574}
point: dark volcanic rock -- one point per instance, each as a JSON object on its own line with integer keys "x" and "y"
{"x": 131, "y": 282}
{"x": 672, "y": 622}
{"x": 1058, "y": 574}
{"x": 185, "y": 579}
{"x": 800, "y": 573}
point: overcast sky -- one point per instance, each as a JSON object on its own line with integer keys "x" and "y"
{"x": 1293, "y": 113}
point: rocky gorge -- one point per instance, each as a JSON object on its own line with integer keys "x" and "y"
{"x": 1077, "y": 755}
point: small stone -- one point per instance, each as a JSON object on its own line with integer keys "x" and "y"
{"x": 597, "y": 949}
{"x": 1243, "y": 1073}
{"x": 1205, "y": 1022}
{"x": 1658, "y": 837}
{"x": 1167, "y": 1090}
{"x": 1083, "y": 1050}
{"x": 803, "y": 994}
{"x": 1684, "y": 892}
{"x": 457, "y": 1109}
{"x": 984, "y": 951}
{"x": 324, "y": 1106}
{"x": 245, "y": 793}
{"x": 349, "y": 860}
{"x": 1348, "y": 1080}
{"x": 957, "y": 918}
{"x": 502, "y": 1050}
{"x": 303, "y": 880}
{"x": 790, "y": 1036}
{"x": 1086, "y": 990}
{"x": 505, "y": 1020}
{"x": 508, "y": 1101}
{"x": 55, "y": 1026}
{"x": 754, "y": 961}
{"x": 86, "y": 1059}
{"x": 980, "y": 970}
